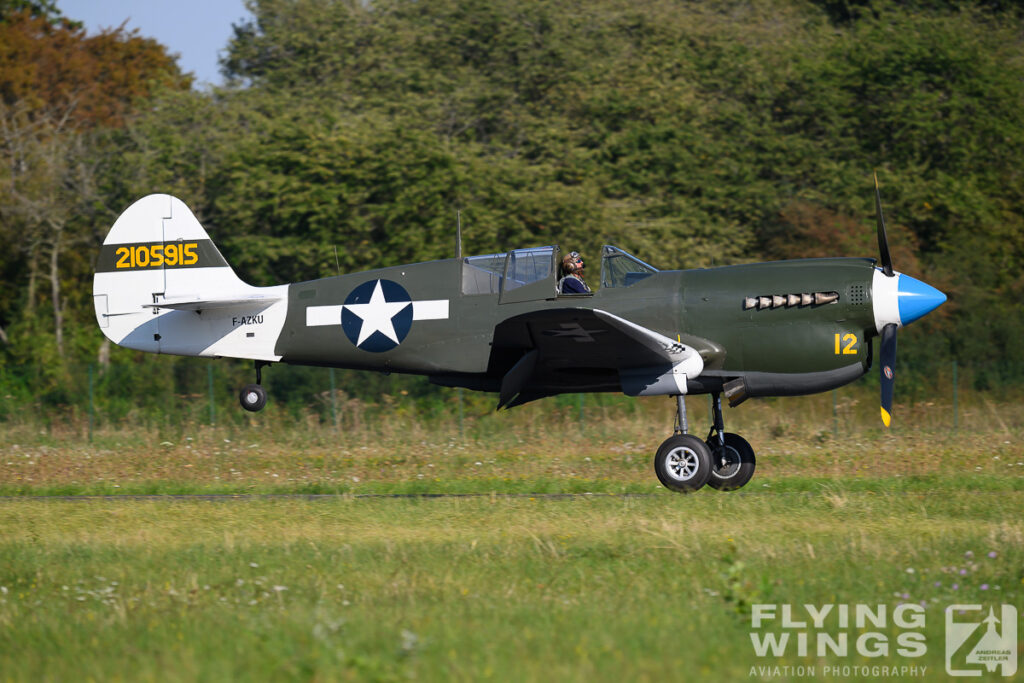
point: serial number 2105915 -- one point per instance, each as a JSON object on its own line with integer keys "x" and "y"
{"x": 156, "y": 255}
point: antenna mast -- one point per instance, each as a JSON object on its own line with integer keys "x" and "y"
{"x": 458, "y": 234}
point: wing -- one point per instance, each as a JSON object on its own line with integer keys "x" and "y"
{"x": 577, "y": 349}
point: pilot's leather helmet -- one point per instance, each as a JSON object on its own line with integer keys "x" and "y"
{"x": 572, "y": 262}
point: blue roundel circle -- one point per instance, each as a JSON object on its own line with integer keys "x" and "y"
{"x": 377, "y": 315}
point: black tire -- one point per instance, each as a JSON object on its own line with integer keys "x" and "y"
{"x": 683, "y": 463}
{"x": 253, "y": 397}
{"x": 732, "y": 468}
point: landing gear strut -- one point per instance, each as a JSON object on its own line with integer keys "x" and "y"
{"x": 253, "y": 396}
{"x": 684, "y": 463}
{"x": 732, "y": 458}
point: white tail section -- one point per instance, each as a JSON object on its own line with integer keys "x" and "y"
{"x": 162, "y": 286}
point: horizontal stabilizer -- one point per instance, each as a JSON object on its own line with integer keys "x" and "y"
{"x": 180, "y": 304}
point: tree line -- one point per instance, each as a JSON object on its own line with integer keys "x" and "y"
{"x": 693, "y": 134}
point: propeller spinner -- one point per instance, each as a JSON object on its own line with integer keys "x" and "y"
{"x": 898, "y": 300}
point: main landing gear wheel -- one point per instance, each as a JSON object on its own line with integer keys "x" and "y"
{"x": 723, "y": 461}
{"x": 253, "y": 397}
{"x": 732, "y": 464}
{"x": 683, "y": 463}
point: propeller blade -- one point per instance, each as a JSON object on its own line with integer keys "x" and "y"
{"x": 883, "y": 241}
{"x": 888, "y": 365}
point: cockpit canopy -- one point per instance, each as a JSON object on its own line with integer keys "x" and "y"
{"x": 506, "y": 271}
{"x": 622, "y": 269}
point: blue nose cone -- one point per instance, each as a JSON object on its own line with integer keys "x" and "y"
{"x": 917, "y": 299}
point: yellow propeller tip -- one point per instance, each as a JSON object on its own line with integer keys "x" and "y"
{"x": 886, "y": 417}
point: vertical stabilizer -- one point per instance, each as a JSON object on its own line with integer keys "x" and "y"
{"x": 161, "y": 285}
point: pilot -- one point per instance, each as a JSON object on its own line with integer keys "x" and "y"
{"x": 572, "y": 272}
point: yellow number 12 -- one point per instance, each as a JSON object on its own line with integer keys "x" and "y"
{"x": 850, "y": 341}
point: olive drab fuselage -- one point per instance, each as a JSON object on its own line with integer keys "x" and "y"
{"x": 707, "y": 304}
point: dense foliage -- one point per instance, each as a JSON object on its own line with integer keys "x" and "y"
{"x": 692, "y": 133}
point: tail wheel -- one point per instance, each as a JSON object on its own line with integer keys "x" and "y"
{"x": 732, "y": 466}
{"x": 253, "y": 397}
{"x": 683, "y": 463}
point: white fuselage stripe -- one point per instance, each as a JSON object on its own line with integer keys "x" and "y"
{"x": 435, "y": 309}
{"x": 323, "y": 315}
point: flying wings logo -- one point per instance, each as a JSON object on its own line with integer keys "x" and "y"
{"x": 377, "y": 315}
{"x": 980, "y": 639}
{"x": 975, "y": 644}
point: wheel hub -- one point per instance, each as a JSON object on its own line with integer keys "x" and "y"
{"x": 682, "y": 464}
{"x": 727, "y": 462}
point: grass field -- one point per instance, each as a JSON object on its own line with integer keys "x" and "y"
{"x": 633, "y": 584}
{"x": 543, "y": 447}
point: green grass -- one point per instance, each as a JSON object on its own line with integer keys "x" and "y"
{"x": 547, "y": 455}
{"x": 654, "y": 588}
{"x": 612, "y": 587}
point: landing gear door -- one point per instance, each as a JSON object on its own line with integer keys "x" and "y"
{"x": 530, "y": 275}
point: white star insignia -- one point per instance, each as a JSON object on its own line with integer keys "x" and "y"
{"x": 377, "y": 315}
